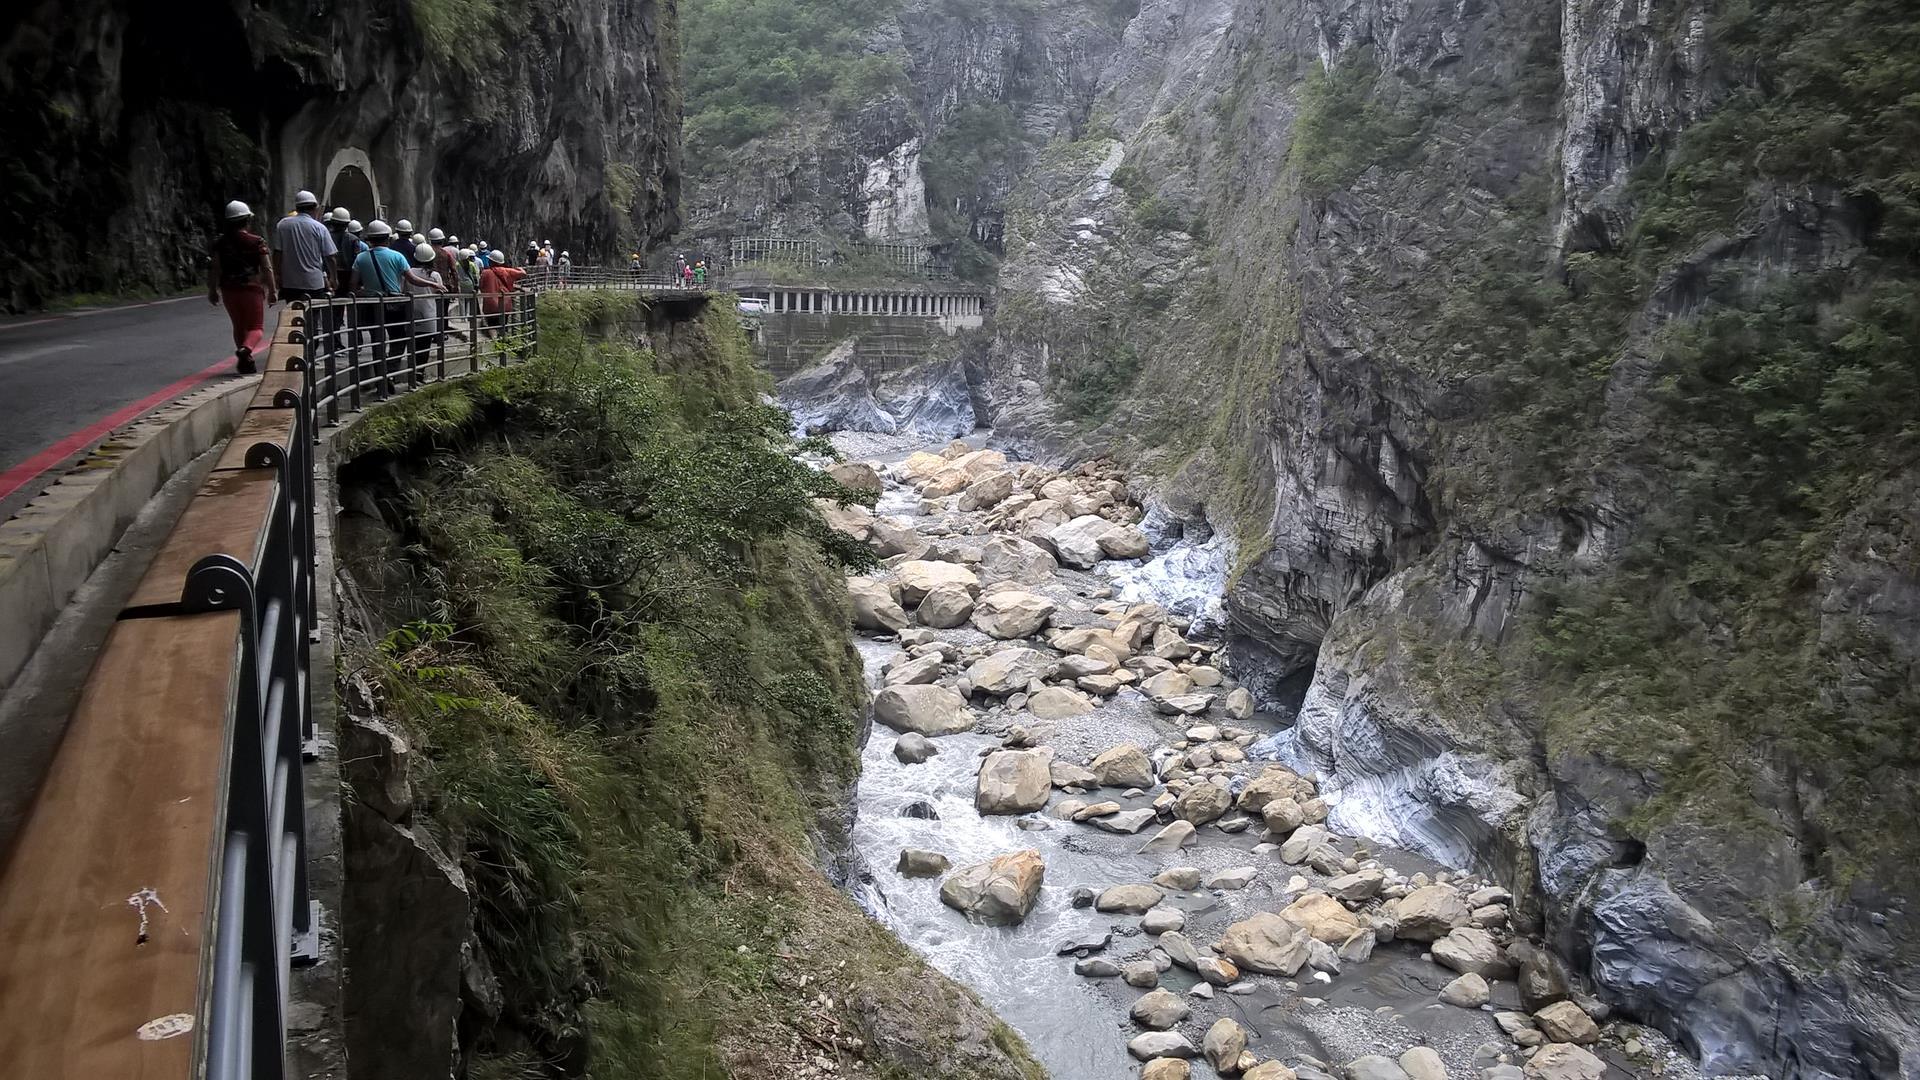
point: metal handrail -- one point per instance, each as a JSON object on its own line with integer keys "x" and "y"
{"x": 350, "y": 348}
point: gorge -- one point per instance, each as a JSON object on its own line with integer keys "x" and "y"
{"x": 1374, "y": 539}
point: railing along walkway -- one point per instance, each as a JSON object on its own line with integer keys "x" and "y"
{"x": 156, "y": 894}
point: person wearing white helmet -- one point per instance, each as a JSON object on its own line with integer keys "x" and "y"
{"x": 240, "y": 275}
{"x": 383, "y": 273}
{"x": 565, "y": 262}
{"x": 427, "y": 313}
{"x": 436, "y": 234}
{"x": 497, "y": 283}
{"x": 346, "y": 246}
{"x": 403, "y": 227}
{"x": 305, "y": 251}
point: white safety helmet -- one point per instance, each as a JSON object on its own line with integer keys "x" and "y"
{"x": 304, "y": 198}
{"x": 417, "y": 238}
{"x": 564, "y": 255}
{"x": 425, "y": 253}
{"x": 454, "y": 240}
{"x": 237, "y": 210}
{"x": 436, "y": 234}
{"x": 546, "y": 243}
{"x": 495, "y": 256}
{"x": 341, "y": 215}
{"x": 404, "y": 226}
{"x": 379, "y": 230}
{"x": 355, "y": 227}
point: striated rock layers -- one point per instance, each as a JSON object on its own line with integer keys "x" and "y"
{"x": 1552, "y": 525}
{"x": 556, "y": 119}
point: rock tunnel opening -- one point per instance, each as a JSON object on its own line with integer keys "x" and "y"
{"x": 352, "y": 188}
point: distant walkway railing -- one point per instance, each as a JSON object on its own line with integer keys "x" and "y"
{"x": 156, "y": 896}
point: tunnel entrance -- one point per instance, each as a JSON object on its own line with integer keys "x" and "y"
{"x": 352, "y": 188}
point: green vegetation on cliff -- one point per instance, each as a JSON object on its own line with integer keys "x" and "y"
{"x": 752, "y": 65}
{"x": 1747, "y": 407}
{"x": 630, "y": 678}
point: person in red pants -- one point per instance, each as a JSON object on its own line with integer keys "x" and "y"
{"x": 240, "y": 274}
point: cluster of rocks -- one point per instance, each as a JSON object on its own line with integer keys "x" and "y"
{"x": 972, "y": 588}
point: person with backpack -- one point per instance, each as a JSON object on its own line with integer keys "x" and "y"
{"x": 384, "y": 274}
{"x": 240, "y": 275}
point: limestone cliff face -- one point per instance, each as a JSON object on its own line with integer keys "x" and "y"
{"x": 1434, "y": 309}
{"x": 987, "y": 83}
{"x": 129, "y": 125}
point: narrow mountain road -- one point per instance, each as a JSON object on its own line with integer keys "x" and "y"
{"x": 68, "y": 379}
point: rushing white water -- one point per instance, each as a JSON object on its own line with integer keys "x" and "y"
{"x": 1188, "y": 579}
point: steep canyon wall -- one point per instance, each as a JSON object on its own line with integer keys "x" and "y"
{"x": 127, "y": 126}
{"x": 1549, "y": 365}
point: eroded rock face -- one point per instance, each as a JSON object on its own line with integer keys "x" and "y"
{"x": 1001, "y": 890}
{"x": 586, "y": 91}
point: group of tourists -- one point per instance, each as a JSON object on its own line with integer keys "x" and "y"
{"x": 692, "y": 275}
{"x": 316, "y": 255}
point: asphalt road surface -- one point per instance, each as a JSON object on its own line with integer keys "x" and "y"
{"x": 67, "y": 380}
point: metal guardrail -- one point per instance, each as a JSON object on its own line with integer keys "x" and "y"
{"x": 206, "y": 676}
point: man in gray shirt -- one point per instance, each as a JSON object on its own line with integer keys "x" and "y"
{"x": 303, "y": 249}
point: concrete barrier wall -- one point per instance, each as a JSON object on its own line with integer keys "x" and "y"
{"x": 50, "y": 548}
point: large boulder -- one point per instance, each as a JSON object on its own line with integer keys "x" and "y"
{"x": 852, "y": 519}
{"x": 1000, "y": 891}
{"x": 1077, "y": 543}
{"x": 1123, "y": 766}
{"x": 1565, "y": 1022}
{"x": 923, "y": 709}
{"x": 919, "y": 862}
{"x": 1011, "y": 613}
{"x": 1282, "y": 815}
{"x": 1160, "y": 1044}
{"x": 1128, "y": 899}
{"x": 1175, "y": 836}
{"x": 1223, "y": 1044}
{"x": 857, "y": 475}
{"x": 1470, "y": 950}
{"x": 1303, "y": 843}
{"x": 1239, "y": 704}
{"x": 1012, "y": 558}
{"x": 1123, "y": 542}
{"x": 1166, "y": 1068}
{"x": 919, "y": 465}
{"x": 1565, "y": 1061}
{"x": 1430, "y": 913}
{"x": 1166, "y": 684}
{"x": 945, "y": 607}
{"x": 1058, "y": 703}
{"x": 912, "y": 748}
{"x": 1322, "y": 916}
{"x": 1202, "y": 803}
{"x": 1266, "y": 943}
{"x": 918, "y": 577}
{"x": 1467, "y": 992}
{"x": 1159, "y": 1010}
{"x": 1014, "y": 782}
{"x": 987, "y": 492}
{"x": 1008, "y": 671}
{"x": 1374, "y": 1067}
{"x": 875, "y": 607}
{"x": 921, "y": 669}
{"x": 892, "y": 536}
{"x": 1274, "y": 782}
{"x": 1091, "y": 641}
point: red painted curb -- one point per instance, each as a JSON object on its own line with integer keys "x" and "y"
{"x": 24, "y": 473}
